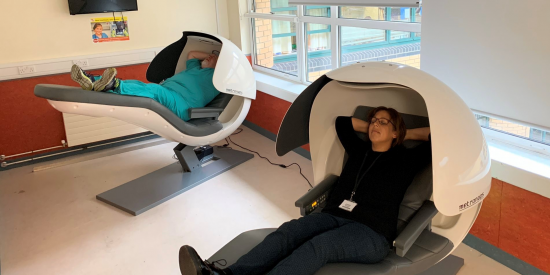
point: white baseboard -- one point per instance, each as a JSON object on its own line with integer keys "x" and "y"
{"x": 63, "y": 65}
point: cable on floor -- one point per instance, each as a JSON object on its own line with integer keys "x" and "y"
{"x": 252, "y": 151}
{"x": 226, "y": 146}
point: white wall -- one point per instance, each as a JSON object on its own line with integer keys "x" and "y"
{"x": 239, "y": 26}
{"x": 40, "y": 29}
{"x": 494, "y": 53}
{"x": 223, "y": 17}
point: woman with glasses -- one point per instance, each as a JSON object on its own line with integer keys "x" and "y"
{"x": 359, "y": 222}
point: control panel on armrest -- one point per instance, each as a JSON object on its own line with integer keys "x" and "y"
{"x": 316, "y": 197}
{"x": 318, "y": 203}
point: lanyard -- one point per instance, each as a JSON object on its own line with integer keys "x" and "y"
{"x": 357, "y": 179}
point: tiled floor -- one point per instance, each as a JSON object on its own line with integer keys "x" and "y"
{"x": 51, "y": 223}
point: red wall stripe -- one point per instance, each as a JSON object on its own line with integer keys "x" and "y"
{"x": 268, "y": 112}
{"x": 30, "y": 123}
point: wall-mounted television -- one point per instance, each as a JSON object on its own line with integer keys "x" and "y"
{"x": 99, "y": 6}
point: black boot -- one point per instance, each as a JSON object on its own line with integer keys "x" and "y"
{"x": 191, "y": 263}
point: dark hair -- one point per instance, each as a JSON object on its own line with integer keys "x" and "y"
{"x": 397, "y": 123}
{"x": 96, "y": 25}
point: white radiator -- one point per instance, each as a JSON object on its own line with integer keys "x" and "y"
{"x": 86, "y": 129}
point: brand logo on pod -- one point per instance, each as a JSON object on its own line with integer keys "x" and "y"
{"x": 471, "y": 203}
{"x": 232, "y": 91}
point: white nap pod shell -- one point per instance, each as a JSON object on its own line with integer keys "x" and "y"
{"x": 233, "y": 76}
{"x": 460, "y": 158}
{"x": 233, "y": 73}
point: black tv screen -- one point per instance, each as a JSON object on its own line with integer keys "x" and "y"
{"x": 98, "y": 6}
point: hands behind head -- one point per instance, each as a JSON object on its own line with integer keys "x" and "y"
{"x": 210, "y": 61}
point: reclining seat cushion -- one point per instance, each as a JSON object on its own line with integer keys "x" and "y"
{"x": 429, "y": 247}
{"x": 427, "y": 251}
{"x": 197, "y": 128}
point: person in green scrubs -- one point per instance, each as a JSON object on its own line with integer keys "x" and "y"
{"x": 191, "y": 88}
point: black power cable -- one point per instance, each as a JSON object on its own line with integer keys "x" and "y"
{"x": 226, "y": 146}
{"x": 252, "y": 151}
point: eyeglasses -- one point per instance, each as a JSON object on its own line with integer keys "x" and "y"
{"x": 381, "y": 121}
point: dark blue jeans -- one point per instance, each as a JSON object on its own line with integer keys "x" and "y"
{"x": 302, "y": 246}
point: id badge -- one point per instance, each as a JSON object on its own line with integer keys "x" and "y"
{"x": 348, "y": 205}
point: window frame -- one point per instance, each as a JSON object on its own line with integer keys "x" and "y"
{"x": 334, "y": 22}
{"x": 511, "y": 139}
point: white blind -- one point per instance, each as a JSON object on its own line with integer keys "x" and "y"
{"x": 370, "y": 3}
{"x": 495, "y": 54}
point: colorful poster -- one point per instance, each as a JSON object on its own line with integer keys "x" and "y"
{"x": 109, "y": 29}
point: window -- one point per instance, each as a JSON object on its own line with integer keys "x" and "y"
{"x": 319, "y": 11}
{"x": 417, "y": 15}
{"x": 275, "y": 45}
{"x": 361, "y": 44}
{"x": 514, "y": 129}
{"x": 539, "y": 136}
{"x": 369, "y": 13}
{"x": 303, "y": 42}
{"x": 319, "y": 50}
{"x": 401, "y": 14}
{"x": 280, "y": 7}
{"x": 382, "y": 13}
